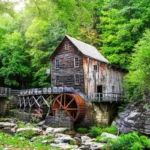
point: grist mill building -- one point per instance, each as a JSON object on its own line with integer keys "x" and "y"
{"x": 85, "y": 89}
{"x": 81, "y": 66}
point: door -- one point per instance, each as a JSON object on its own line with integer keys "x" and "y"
{"x": 99, "y": 92}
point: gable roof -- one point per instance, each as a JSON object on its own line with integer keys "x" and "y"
{"x": 87, "y": 50}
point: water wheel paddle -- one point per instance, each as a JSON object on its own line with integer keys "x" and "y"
{"x": 73, "y": 104}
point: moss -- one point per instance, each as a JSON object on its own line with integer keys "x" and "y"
{"x": 95, "y": 131}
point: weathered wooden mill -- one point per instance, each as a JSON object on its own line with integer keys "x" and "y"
{"x": 84, "y": 85}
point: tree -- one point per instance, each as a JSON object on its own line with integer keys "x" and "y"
{"x": 7, "y": 6}
{"x": 14, "y": 60}
{"x": 137, "y": 82}
{"x": 120, "y": 31}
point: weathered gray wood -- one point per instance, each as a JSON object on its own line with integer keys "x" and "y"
{"x": 66, "y": 72}
{"x": 109, "y": 77}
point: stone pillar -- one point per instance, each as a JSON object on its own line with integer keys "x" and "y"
{"x": 98, "y": 114}
{"x": 61, "y": 119}
{"x": 4, "y": 107}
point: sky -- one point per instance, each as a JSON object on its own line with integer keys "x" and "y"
{"x": 19, "y": 6}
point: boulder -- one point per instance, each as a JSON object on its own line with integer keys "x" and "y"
{"x": 85, "y": 139}
{"x": 49, "y": 130}
{"x": 37, "y": 130}
{"x": 109, "y": 135}
{"x": 63, "y": 138}
{"x": 105, "y": 137}
{"x": 7, "y": 124}
{"x": 91, "y": 146}
{"x": 135, "y": 118}
{"x": 64, "y": 146}
{"x": 96, "y": 146}
{"x": 59, "y": 135}
{"x": 8, "y": 120}
{"x": 84, "y": 147}
{"x": 59, "y": 130}
{"x": 55, "y": 130}
{"x": 41, "y": 123}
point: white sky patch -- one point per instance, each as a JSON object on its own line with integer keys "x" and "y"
{"x": 19, "y": 6}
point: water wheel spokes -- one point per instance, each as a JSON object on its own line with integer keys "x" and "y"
{"x": 72, "y": 104}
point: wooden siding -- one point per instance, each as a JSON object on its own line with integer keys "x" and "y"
{"x": 66, "y": 73}
{"x": 105, "y": 76}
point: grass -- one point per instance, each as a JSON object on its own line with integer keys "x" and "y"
{"x": 21, "y": 143}
{"x": 82, "y": 130}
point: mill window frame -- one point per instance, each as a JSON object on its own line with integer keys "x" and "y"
{"x": 95, "y": 67}
{"x": 57, "y": 63}
{"x": 66, "y": 46}
{"x": 76, "y": 62}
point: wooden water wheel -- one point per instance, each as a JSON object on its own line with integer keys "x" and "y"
{"x": 73, "y": 104}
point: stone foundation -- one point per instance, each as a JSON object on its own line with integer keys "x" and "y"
{"x": 23, "y": 116}
{"x": 4, "y": 105}
{"x": 61, "y": 119}
{"x": 98, "y": 114}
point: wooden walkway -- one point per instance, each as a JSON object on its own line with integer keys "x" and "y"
{"x": 29, "y": 98}
{"x": 6, "y": 92}
{"x": 106, "y": 97}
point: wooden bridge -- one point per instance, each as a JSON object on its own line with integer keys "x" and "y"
{"x": 55, "y": 98}
{"x": 6, "y": 92}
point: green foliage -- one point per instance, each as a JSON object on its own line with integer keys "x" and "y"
{"x": 21, "y": 143}
{"x": 14, "y": 59}
{"x": 113, "y": 26}
{"x": 129, "y": 141}
{"x": 122, "y": 24}
{"x": 137, "y": 81}
{"x": 49, "y": 139}
{"x": 26, "y": 134}
{"x": 103, "y": 139}
{"x": 37, "y": 115}
{"x": 25, "y": 125}
{"x": 95, "y": 131}
{"x": 82, "y": 130}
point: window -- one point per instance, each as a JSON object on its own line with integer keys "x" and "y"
{"x": 113, "y": 89}
{"x": 77, "y": 79}
{"x": 57, "y": 64}
{"x": 95, "y": 67}
{"x": 76, "y": 62}
{"x": 66, "y": 46}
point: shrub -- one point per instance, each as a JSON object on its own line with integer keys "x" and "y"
{"x": 26, "y": 134}
{"x": 103, "y": 139}
{"x": 14, "y": 142}
{"x": 111, "y": 129}
{"x": 37, "y": 115}
{"x": 129, "y": 141}
{"x": 82, "y": 130}
{"x": 95, "y": 131}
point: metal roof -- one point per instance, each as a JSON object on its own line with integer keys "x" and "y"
{"x": 88, "y": 50}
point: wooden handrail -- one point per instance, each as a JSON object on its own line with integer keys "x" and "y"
{"x": 106, "y": 97}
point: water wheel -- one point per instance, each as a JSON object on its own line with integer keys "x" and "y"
{"x": 73, "y": 104}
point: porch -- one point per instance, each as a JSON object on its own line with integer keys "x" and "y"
{"x": 107, "y": 97}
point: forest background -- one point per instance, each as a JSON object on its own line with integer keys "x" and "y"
{"x": 119, "y": 29}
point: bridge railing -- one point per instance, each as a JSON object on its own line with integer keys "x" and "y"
{"x": 50, "y": 90}
{"x": 5, "y": 92}
{"x": 106, "y": 97}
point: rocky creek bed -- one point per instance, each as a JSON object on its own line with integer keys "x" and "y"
{"x": 136, "y": 117}
{"x": 62, "y": 138}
